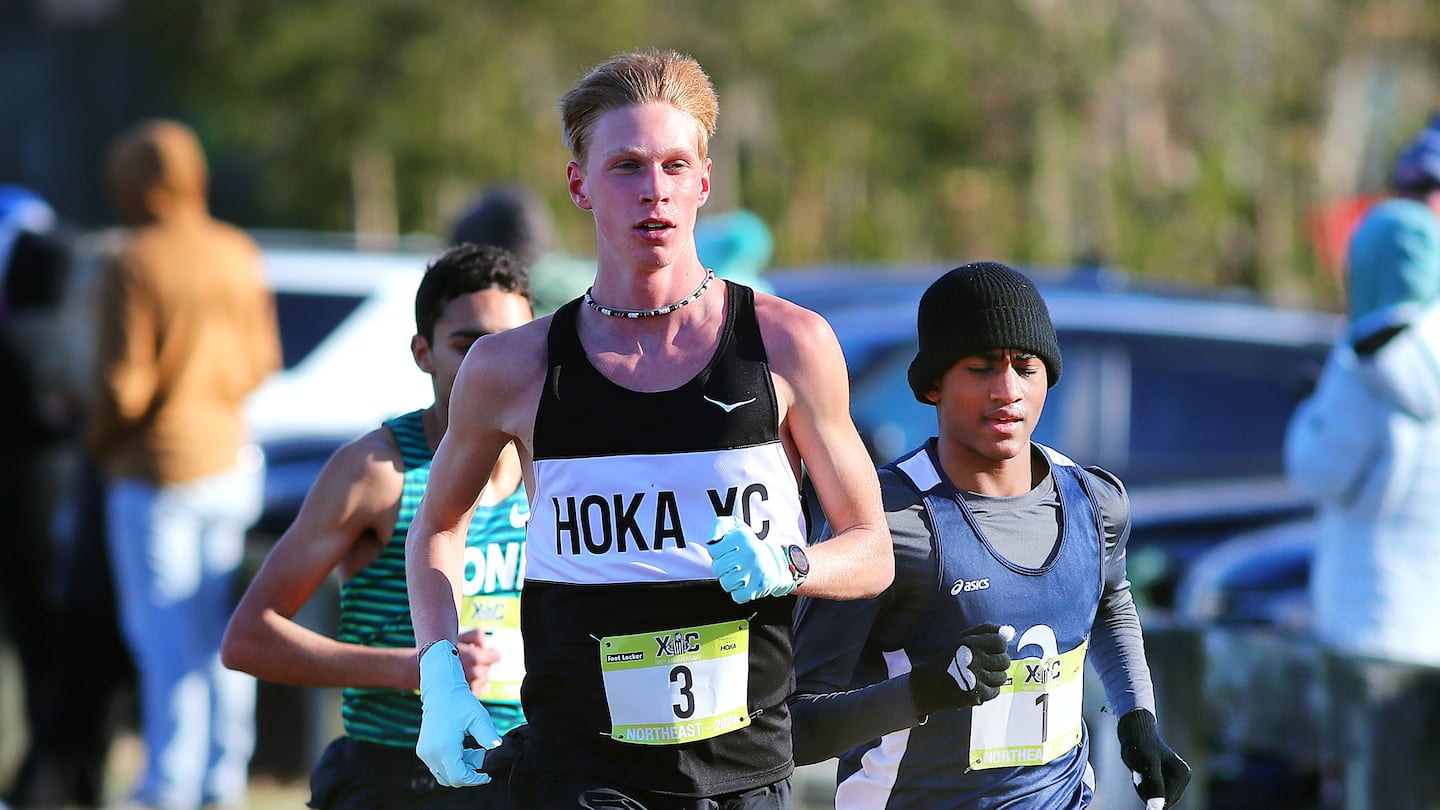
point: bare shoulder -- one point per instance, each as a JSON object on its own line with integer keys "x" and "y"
{"x": 366, "y": 474}
{"x": 237, "y": 238}
{"x": 354, "y": 501}
{"x": 509, "y": 360}
{"x": 795, "y": 337}
{"x": 500, "y": 380}
{"x": 377, "y": 446}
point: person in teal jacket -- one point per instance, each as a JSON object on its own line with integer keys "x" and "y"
{"x": 354, "y": 522}
{"x": 1365, "y": 446}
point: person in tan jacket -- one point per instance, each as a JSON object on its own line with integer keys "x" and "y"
{"x": 186, "y": 330}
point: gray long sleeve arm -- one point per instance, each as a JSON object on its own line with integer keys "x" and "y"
{"x": 828, "y": 717}
{"x": 1117, "y": 653}
{"x": 828, "y": 725}
{"x": 1117, "y": 648}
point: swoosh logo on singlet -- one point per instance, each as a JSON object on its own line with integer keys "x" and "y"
{"x": 518, "y": 518}
{"x": 727, "y": 407}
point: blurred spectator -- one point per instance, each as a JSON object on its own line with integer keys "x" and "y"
{"x": 22, "y": 211}
{"x": 34, "y": 415}
{"x": 35, "y": 421}
{"x": 515, "y": 218}
{"x": 82, "y": 696}
{"x": 1366, "y": 446}
{"x": 736, "y": 245}
{"x": 186, "y": 330}
{"x": 510, "y": 217}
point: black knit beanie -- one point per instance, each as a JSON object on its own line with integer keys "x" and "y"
{"x": 977, "y": 308}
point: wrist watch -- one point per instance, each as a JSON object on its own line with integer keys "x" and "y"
{"x": 799, "y": 563}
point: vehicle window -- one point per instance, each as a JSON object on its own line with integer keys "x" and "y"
{"x": 306, "y": 319}
{"x": 889, "y": 419}
{"x": 1212, "y": 408}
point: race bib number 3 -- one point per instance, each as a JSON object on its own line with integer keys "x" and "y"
{"x": 677, "y": 686}
{"x": 499, "y": 618}
{"x": 1036, "y": 716}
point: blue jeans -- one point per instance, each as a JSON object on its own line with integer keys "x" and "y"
{"x": 175, "y": 551}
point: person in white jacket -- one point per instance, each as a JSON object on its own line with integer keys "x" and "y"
{"x": 1366, "y": 446}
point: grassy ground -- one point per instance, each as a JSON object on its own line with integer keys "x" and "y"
{"x": 127, "y": 754}
{"x": 814, "y": 784}
{"x": 275, "y": 796}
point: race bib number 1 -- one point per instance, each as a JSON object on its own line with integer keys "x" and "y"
{"x": 677, "y": 686}
{"x": 1036, "y": 716}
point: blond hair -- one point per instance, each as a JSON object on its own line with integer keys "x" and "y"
{"x": 635, "y": 78}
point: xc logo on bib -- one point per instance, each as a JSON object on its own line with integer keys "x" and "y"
{"x": 677, "y": 686}
{"x": 1036, "y": 716}
{"x": 499, "y": 618}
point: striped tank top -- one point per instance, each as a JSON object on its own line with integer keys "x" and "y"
{"x": 375, "y": 608}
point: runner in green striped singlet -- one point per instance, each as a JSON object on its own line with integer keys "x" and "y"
{"x": 354, "y": 522}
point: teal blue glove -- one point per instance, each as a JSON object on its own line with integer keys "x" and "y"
{"x": 748, "y": 568}
{"x": 448, "y": 712}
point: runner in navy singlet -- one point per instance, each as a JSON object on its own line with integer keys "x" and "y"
{"x": 1009, "y": 539}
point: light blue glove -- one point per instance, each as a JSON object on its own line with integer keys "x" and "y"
{"x": 748, "y": 567}
{"x": 448, "y": 712}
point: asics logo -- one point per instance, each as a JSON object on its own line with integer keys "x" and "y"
{"x": 966, "y": 586}
{"x": 728, "y": 407}
{"x": 517, "y": 517}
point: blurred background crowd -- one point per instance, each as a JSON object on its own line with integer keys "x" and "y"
{"x": 1184, "y": 179}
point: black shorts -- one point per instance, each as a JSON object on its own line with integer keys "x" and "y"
{"x": 565, "y": 790}
{"x": 356, "y": 775}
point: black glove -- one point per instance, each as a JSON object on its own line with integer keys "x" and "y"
{"x": 969, "y": 676}
{"x": 1157, "y": 771}
{"x": 498, "y": 761}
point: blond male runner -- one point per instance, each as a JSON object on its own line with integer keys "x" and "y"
{"x": 662, "y": 410}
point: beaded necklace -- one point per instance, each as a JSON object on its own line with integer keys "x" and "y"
{"x": 616, "y": 312}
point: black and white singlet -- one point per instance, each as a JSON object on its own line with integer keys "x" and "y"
{"x": 640, "y": 669}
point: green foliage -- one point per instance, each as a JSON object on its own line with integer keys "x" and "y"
{"x": 1177, "y": 140}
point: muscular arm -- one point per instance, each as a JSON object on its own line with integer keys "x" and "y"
{"x": 355, "y": 497}
{"x": 811, "y": 380}
{"x": 491, "y": 405}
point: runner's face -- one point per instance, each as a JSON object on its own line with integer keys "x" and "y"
{"x": 464, "y": 321}
{"x": 989, "y": 405}
{"x": 644, "y": 182}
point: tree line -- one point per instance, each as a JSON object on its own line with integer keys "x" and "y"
{"x": 1208, "y": 142}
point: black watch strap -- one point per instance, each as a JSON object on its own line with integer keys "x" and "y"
{"x": 799, "y": 562}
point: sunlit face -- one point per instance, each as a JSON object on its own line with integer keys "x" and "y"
{"x": 644, "y": 182}
{"x": 463, "y": 321}
{"x": 989, "y": 405}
